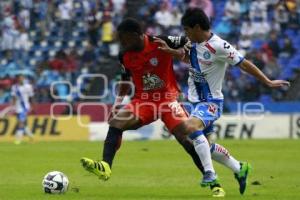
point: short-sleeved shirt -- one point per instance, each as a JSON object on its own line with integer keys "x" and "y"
{"x": 208, "y": 65}
{"x": 152, "y": 69}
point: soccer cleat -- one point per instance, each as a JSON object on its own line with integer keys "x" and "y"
{"x": 209, "y": 178}
{"x": 218, "y": 192}
{"x": 101, "y": 169}
{"x": 242, "y": 176}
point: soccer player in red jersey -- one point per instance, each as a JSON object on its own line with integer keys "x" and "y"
{"x": 156, "y": 93}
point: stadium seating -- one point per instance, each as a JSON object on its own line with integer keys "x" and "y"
{"x": 44, "y": 45}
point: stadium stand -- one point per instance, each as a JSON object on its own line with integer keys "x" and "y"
{"x": 59, "y": 40}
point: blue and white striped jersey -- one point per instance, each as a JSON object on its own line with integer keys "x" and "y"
{"x": 208, "y": 65}
{"x": 22, "y": 93}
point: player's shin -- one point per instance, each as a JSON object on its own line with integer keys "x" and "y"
{"x": 19, "y": 134}
{"x": 188, "y": 146}
{"x": 221, "y": 155}
{"x": 111, "y": 144}
{"x": 202, "y": 148}
{"x": 28, "y": 132}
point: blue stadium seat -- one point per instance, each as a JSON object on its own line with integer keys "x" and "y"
{"x": 257, "y": 44}
{"x": 294, "y": 62}
{"x": 235, "y": 72}
{"x": 282, "y": 61}
{"x": 296, "y": 40}
{"x": 286, "y": 73}
{"x": 281, "y": 42}
{"x": 290, "y": 33}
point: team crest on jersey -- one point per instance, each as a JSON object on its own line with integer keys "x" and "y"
{"x": 231, "y": 55}
{"x": 154, "y": 61}
{"x": 212, "y": 109}
{"x": 206, "y": 55}
{"x": 152, "y": 81}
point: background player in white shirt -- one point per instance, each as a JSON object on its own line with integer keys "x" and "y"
{"x": 22, "y": 93}
{"x": 208, "y": 56}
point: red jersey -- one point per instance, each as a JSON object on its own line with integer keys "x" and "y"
{"x": 152, "y": 69}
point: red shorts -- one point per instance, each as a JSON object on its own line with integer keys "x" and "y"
{"x": 170, "y": 112}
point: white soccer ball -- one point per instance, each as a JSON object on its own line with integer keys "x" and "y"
{"x": 55, "y": 182}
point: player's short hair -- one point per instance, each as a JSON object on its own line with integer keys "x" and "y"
{"x": 194, "y": 16}
{"x": 130, "y": 25}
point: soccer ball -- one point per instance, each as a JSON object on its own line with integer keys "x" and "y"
{"x": 55, "y": 182}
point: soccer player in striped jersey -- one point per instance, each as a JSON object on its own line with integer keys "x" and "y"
{"x": 22, "y": 94}
{"x": 209, "y": 55}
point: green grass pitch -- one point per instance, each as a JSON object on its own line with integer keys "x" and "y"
{"x": 148, "y": 170}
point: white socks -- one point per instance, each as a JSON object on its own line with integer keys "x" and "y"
{"x": 19, "y": 134}
{"x": 21, "y": 131}
{"x": 222, "y": 156}
{"x": 202, "y": 148}
{"x": 28, "y": 132}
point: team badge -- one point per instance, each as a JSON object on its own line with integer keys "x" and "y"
{"x": 152, "y": 81}
{"x": 231, "y": 55}
{"x": 206, "y": 55}
{"x": 212, "y": 109}
{"x": 154, "y": 61}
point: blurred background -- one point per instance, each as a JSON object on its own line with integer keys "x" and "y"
{"x": 59, "y": 40}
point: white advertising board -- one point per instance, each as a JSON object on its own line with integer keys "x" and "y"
{"x": 267, "y": 126}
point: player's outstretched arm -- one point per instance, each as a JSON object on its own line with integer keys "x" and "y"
{"x": 250, "y": 68}
{"x": 178, "y": 53}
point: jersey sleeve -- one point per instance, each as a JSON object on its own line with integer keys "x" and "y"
{"x": 174, "y": 42}
{"x": 227, "y": 53}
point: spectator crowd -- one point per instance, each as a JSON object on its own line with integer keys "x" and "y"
{"x": 59, "y": 40}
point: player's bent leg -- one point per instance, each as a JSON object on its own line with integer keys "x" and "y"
{"x": 177, "y": 122}
{"x": 124, "y": 120}
{"x": 216, "y": 188}
{"x": 28, "y": 133}
{"x": 20, "y": 132}
{"x": 111, "y": 144}
{"x": 194, "y": 127}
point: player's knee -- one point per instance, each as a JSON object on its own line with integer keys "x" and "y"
{"x": 21, "y": 124}
{"x": 124, "y": 124}
{"x": 211, "y": 137}
{"x": 117, "y": 124}
{"x": 192, "y": 125}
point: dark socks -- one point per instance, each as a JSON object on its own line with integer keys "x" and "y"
{"x": 111, "y": 144}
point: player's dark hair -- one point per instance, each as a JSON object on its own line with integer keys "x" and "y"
{"x": 194, "y": 16}
{"x": 130, "y": 25}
